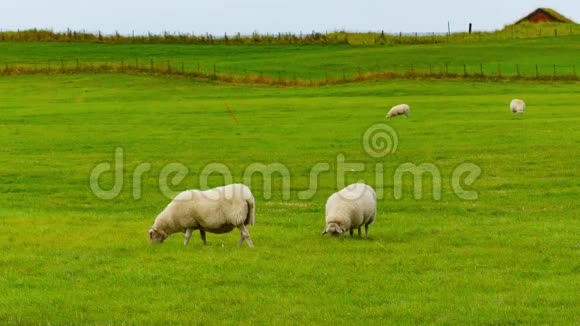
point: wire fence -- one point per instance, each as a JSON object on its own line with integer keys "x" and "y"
{"x": 227, "y": 74}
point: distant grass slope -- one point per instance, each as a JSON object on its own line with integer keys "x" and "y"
{"x": 515, "y": 31}
{"x": 314, "y": 61}
{"x": 509, "y": 257}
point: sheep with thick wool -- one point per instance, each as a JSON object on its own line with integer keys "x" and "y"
{"x": 399, "y": 110}
{"x": 218, "y": 210}
{"x": 517, "y": 106}
{"x": 349, "y": 209}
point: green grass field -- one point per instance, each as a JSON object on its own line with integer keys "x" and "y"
{"x": 305, "y": 62}
{"x": 509, "y": 257}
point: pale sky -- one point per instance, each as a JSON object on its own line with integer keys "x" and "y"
{"x": 271, "y": 16}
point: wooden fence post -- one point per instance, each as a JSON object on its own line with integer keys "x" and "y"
{"x": 518, "y": 69}
{"x": 537, "y": 73}
{"x": 151, "y": 65}
{"x": 481, "y": 69}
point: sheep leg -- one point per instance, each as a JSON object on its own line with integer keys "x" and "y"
{"x": 351, "y": 232}
{"x": 241, "y": 239}
{"x": 245, "y": 235}
{"x": 202, "y": 234}
{"x": 359, "y": 231}
{"x": 366, "y": 230}
{"x": 187, "y": 236}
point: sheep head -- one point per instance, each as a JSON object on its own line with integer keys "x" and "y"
{"x": 156, "y": 236}
{"x": 334, "y": 229}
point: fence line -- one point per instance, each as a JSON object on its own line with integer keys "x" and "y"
{"x": 284, "y": 78}
{"x": 337, "y": 37}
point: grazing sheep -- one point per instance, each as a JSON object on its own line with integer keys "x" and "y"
{"x": 399, "y": 110}
{"x": 517, "y": 106}
{"x": 349, "y": 209}
{"x": 217, "y": 210}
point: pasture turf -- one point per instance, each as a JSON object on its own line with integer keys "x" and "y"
{"x": 315, "y": 61}
{"x": 508, "y": 257}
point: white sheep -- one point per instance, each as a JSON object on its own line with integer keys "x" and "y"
{"x": 218, "y": 210}
{"x": 399, "y": 110}
{"x": 349, "y": 209}
{"x": 517, "y": 106}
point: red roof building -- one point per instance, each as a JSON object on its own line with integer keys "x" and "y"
{"x": 541, "y": 15}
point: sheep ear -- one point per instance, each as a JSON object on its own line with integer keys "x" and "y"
{"x": 324, "y": 231}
